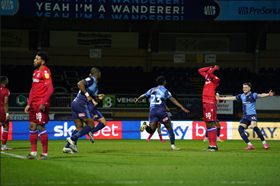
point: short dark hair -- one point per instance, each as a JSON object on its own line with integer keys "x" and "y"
{"x": 3, "y": 79}
{"x": 94, "y": 71}
{"x": 160, "y": 80}
{"x": 44, "y": 56}
{"x": 248, "y": 83}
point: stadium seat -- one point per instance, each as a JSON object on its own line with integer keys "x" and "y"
{"x": 131, "y": 69}
{"x": 138, "y": 69}
{"x": 114, "y": 69}
{"x": 122, "y": 69}
{"x": 156, "y": 69}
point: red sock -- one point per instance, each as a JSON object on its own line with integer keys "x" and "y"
{"x": 160, "y": 137}
{"x": 44, "y": 140}
{"x": 212, "y": 136}
{"x": 33, "y": 140}
{"x": 150, "y": 136}
{"x": 5, "y": 137}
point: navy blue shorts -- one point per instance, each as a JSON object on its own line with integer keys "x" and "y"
{"x": 158, "y": 115}
{"x": 247, "y": 119}
{"x": 96, "y": 114}
{"x": 80, "y": 110}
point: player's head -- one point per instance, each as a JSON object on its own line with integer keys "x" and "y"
{"x": 95, "y": 72}
{"x": 4, "y": 80}
{"x": 247, "y": 87}
{"x": 41, "y": 59}
{"x": 216, "y": 72}
{"x": 161, "y": 80}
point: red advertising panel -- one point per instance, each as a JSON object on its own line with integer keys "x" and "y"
{"x": 113, "y": 130}
{"x": 10, "y": 136}
{"x": 199, "y": 130}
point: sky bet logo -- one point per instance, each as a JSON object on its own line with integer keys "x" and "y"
{"x": 243, "y": 10}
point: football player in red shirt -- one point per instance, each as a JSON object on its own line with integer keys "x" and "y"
{"x": 209, "y": 104}
{"x": 39, "y": 104}
{"x": 4, "y": 112}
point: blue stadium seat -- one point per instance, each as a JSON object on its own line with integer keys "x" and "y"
{"x": 138, "y": 69}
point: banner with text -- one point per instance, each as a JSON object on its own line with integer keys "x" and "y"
{"x": 145, "y": 9}
{"x": 70, "y": 39}
{"x": 14, "y": 39}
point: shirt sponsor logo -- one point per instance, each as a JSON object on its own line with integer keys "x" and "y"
{"x": 81, "y": 114}
{"x": 165, "y": 119}
{"x": 95, "y": 116}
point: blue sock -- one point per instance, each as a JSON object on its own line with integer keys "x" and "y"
{"x": 149, "y": 129}
{"x": 242, "y": 134}
{"x": 206, "y": 135}
{"x": 98, "y": 127}
{"x": 171, "y": 136}
{"x": 259, "y": 133}
{"x": 218, "y": 132}
{"x": 81, "y": 133}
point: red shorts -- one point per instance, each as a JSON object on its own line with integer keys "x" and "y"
{"x": 37, "y": 116}
{"x": 3, "y": 118}
{"x": 209, "y": 112}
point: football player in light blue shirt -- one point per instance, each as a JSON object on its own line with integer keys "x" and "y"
{"x": 249, "y": 112}
{"x": 158, "y": 96}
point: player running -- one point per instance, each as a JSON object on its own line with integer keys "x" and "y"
{"x": 158, "y": 95}
{"x": 82, "y": 109}
{"x": 4, "y": 112}
{"x": 209, "y": 104}
{"x": 249, "y": 112}
{"x": 38, "y": 105}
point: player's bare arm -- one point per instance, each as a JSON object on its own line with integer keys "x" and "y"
{"x": 263, "y": 95}
{"x": 175, "y": 102}
{"x": 82, "y": 87}
{"x": 140, "y": 98}
{"x": 232, "y": 98}
{"x": 27, "y": 109}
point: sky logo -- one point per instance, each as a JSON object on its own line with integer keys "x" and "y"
{"x": 243, "y": 10}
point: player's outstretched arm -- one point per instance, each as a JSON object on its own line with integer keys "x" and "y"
{"x": 263, "y": 95}
{"x": 140, "y": 98}
{"x": 203, "y": 71}
{"x": 232, "y": 98}
{"x": 175, "y": 102}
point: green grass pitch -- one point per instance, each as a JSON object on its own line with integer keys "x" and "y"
{"x": 136, "y": 162}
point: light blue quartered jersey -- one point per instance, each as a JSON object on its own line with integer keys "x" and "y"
{"x": 248, "y": 102}
{"x": 158, "y": 95}
{"x": 91, "y": 87}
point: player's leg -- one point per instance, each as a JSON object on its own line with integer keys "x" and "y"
{"x": 33, "y": 137}
{"x": 101, "y": 124}
{"x": 170, "y": 134}
{"x": 79, "y": 125}
{"x": 259, "y": 133}
{"x": 241, "y": 128}
{"x": 159, "y": 133}
{"x": 85, "y": 130}
{"x": 5, "y": 136}
{"x": 218, "y": 125}
{"x": 210, "y": 115}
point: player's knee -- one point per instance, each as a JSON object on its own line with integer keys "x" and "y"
{"x": 240, "y": 129}
{"x": 210, "y": 124}
{"x": 218, "y": 125}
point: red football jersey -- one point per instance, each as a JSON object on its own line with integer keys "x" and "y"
{"x": 39, "y": 89}
{"x": 4, "y": 94}
{"x": 208, "y": 95}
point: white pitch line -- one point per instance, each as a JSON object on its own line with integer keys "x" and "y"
{"x": 18, "y": 156}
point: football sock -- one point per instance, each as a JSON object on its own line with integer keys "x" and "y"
{"x": 98, "y": 127}
{"x": 74, "y": 132}
{"x": 218, "y": 132}
{"x": 81, "y": 133}
{"x": 5, "y": 137}
{"x": 160, "y": 136}
{"x": 150, "y": 136}
{"x": 149, "y": 129}
{"x": 33, "y": 136}
{"x": 259, "y": 133}
{"x": 242, "y": 134}
{"x": 171, "y": 136}
{"x": 212, "y": 136}
{"x": 44, "y": 141}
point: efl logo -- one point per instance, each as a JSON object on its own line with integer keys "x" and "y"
{"x": 10, "y": 136}
{"x": 113, "y": 130}
{"x": 199, "y": 130}
{"x": 243, "y": 10}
